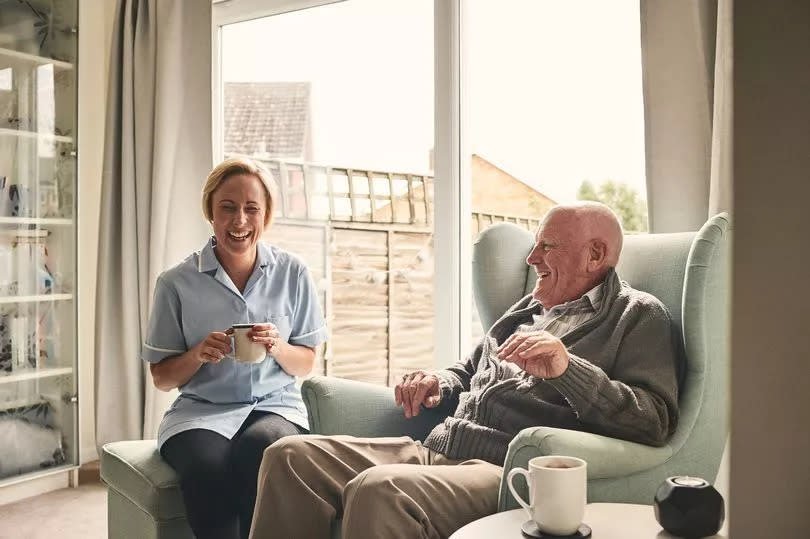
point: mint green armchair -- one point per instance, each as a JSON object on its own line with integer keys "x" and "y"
{"x": 686, "y": 271}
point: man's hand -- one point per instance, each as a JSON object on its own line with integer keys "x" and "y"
{"x": 539, "y": 353}
{"x": 417, "y": 388}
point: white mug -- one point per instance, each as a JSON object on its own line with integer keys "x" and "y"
{"x": 557, "y": 492}
{"x": 243, "y": 349}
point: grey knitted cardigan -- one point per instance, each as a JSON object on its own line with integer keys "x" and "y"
{"x": 621, "y": 381}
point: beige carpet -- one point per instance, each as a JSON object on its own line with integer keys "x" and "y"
{"x": 71, "y": 513}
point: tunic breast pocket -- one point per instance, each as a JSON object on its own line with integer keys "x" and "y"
{"x": 282, "y": 323}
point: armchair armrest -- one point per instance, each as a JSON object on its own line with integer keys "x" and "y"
{"x": 339, "y": 406}
{"x": 607, "y": 458}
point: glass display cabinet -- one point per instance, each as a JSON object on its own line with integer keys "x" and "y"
{"x": 38, "y": 102}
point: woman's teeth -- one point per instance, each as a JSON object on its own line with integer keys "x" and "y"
{"x": 239, "y": 236}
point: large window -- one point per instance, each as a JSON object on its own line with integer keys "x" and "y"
{"x": 337, "y": 100}
{"x": 554, "y": 110}
{"x": 393, "y": 151}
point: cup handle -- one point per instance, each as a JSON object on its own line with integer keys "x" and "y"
{"x": 232, "y": 355}
{"x": 525, "y": 473}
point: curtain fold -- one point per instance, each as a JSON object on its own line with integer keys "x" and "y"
{"x": 156, "y": 157}
{"x": 721, "y": 188}
{"x": 687, "y": 68}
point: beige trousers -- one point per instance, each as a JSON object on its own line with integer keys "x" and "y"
{"x": 383, "y": 488}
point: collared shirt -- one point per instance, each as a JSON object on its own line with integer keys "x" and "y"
{"x": 197, "y": 297}
{"x": 563, "y": 318}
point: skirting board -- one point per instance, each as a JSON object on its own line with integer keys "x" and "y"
{"x": 33, "y": 487}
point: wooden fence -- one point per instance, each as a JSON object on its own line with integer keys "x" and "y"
{"x": 370, "y": 251}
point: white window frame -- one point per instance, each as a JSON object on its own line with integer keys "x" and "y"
{"x": 453, "y": 288}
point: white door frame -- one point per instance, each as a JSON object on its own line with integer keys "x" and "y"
{"x": 452, "y": 276}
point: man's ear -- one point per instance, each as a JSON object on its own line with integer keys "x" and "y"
{"x": 597, "y": 255}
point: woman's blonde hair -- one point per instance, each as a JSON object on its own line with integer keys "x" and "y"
{"x": 238, "y": 165}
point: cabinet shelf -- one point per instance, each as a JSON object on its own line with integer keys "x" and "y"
{"x": 31, "y": 374}
{"x": 43, "y": 221}
{"x": 39, "y": 297}
{"x": 32, "y": 134}
{"x": 32, "y": 59}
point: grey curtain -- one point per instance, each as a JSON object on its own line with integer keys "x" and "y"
{"x": 687, "y": 74}
{"x": 157, "y": 154}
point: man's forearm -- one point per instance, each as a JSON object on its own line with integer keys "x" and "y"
{"x": 615, "y": 408}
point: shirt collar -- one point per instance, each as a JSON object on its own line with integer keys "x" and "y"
{"x": 207, "y": 260}
{"x": 265, "y": 255}
{"x": 592, "y": 297}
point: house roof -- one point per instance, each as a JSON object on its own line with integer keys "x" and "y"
{"x": 268, "y": 119}
{"x": 487, "y": 162}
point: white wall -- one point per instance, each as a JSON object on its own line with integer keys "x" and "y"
{"x": 770, "y": 444}
{"x": 95, "y": 30}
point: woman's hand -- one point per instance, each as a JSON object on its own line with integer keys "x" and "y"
{"x": 268, "y": 335}
{"x": 295, "y": 360}
{"x": 214, "y": 347}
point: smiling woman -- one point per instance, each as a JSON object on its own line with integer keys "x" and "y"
{"x": 238, "y": 202}
{"x": 231, "y": 406}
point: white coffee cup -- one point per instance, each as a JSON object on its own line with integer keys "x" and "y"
{"x": 243, "y": 349}
{"x": 557, "y": 492}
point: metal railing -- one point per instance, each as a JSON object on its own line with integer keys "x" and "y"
{"x": 310, "y": 191}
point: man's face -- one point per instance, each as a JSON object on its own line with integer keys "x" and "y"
{"x": 559, "y": 257}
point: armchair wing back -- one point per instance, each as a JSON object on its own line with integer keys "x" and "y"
{"x": 688, "y": 272}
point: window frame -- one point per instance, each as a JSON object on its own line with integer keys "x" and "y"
{"x": 452, "y": 289}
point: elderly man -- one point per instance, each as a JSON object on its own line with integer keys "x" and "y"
{"x": 582, "y": 351}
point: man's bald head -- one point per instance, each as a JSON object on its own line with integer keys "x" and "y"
{"x": 594, "y": 221}
{"x": 576, "y": 246}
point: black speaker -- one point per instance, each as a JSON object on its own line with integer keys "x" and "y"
{"x": 689, "y": 507}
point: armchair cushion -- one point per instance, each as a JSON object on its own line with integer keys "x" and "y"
{"x": 338, "y": 406}
{"x": 607, "y": 458}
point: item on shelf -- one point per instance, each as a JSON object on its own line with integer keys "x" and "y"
{"x": 8, "y": 284}
{"x": 63, "y": 178}
{"x": 33, "y": 408}
{"x": 28, "y": 447}
{"x": 47, "y": 336}
{"x": 6, "y": 203}
{"x": 8, "y": 97}
{"x": 26, "y": 26}
{"x": 33, "y": 274}
{"x": 24, "y": 342}
{"x": 45, "y": 279}
{"x": 5, "y": 342}
{"x": 21, "y": 200}
{"x": 48, "y": 201}
{"x": 15, "y": 200}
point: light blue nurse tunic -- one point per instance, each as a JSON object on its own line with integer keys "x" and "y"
{"x": 197, "y": 297}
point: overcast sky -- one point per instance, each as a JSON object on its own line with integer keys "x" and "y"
{"x": 554, "y": 87}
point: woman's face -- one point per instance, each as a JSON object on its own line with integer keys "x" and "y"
{"x": 239, "y": 206}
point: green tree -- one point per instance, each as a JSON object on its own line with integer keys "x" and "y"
{"x": 623, "y": 199}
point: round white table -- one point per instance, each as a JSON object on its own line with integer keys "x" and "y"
{"x": 607, "y": 521}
